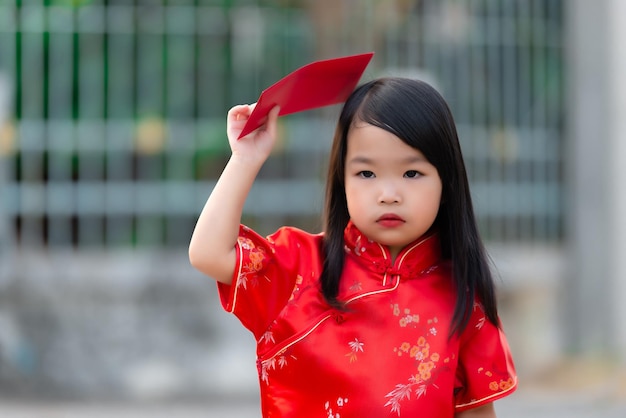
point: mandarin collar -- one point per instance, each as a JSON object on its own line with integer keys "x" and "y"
{"x": 414, "y": 259}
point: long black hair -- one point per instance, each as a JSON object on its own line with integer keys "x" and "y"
{"x": 417, "y": 114}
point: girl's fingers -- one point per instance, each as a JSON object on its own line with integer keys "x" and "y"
{"x": 238, "y": 116}
{"x": 274, "y": 112}
{"x": 272, "y": 117}
{"x": 239, "y": 112}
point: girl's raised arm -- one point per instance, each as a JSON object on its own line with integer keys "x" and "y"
{"x": 212, "y": 246}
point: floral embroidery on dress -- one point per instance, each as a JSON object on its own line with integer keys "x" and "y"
{"x": 296, "y": 289}
{"x": 481, "y": 320}
{"x": 430, "y": 269}
{"x": 328, "y": 406}
{"x": 407, "y": 319}
{"x": 278, "y": 361}
{"x": 356, "y": 286}
{"x": 267, "y": 337}
{"x": 480, "y": 323}
{"x": 427, "y": 361}
{"x": 256, "y": 256}
{"x": 358, "y": 249}
{"x": 300, "y": 288}
{"x": 355, "y": 347}
{"x": 501, "y": 380}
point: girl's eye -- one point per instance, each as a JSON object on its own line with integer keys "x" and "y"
{"x": 366, "y": 174}
{"x": 411, "y": 174}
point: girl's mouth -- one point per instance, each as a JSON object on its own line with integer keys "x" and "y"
{"x": 390, "y": 220}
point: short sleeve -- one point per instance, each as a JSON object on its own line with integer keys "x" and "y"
{"x": 486, "y": 371}
{"x": 265, "y": 275}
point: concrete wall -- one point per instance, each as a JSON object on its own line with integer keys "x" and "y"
{"x": 595, "y": 285}
{"x": 617, "y": 162}
{"x": 129, "y": 325}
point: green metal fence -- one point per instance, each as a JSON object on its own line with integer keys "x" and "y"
{"x": 114, "y": 130}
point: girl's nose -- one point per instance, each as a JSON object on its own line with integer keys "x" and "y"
{"x": 389, "y": 193}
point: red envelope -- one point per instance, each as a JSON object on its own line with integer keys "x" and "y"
{"x": 318, "y": 84}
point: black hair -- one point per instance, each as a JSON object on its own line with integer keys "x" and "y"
{"x": 416, "y": 113}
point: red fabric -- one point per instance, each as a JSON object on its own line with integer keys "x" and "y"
{"x": 387, "y": 355}
{"x": 318, "y": 84}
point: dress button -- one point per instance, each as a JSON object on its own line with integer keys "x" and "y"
{"x": 339, "y": 318}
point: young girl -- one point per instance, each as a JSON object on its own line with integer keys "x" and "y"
{"x": 390, "y": 312}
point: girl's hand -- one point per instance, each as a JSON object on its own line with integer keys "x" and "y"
{"x": 257, "y": 145}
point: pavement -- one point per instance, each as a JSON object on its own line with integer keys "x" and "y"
{"x": 244, "y": 409}
{"x": 521, "y": 404}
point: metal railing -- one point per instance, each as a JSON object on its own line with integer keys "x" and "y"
{"x": 115, "y": 133}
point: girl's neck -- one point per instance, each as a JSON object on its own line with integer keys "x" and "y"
{"x": 394, "y": 251}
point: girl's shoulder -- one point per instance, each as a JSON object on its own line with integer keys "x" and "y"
{"x": 286, "y": 239}
{"x": 294, "y": 236}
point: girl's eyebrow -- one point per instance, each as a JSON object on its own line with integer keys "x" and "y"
{"x": 359, "y": 159}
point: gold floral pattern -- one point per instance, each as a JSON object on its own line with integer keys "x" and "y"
{"x": 427, "y": 362}
{"x": 501, "y": 380}
{"x": 252, "y": 265}
{"x": 296, "y": 289}
{"x": 356, "y": 346}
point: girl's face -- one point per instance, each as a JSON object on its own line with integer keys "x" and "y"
{"x": 393, "y": 192}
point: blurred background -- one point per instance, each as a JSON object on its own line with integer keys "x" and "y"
{"x": 112, "y": 134}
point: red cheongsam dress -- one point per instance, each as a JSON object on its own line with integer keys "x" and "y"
{"x": 388, "y": 354}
